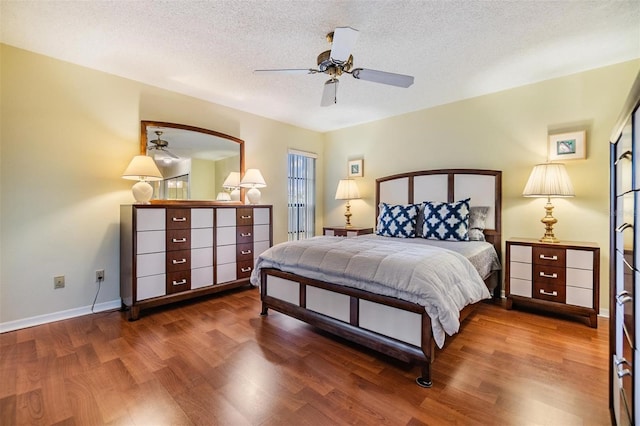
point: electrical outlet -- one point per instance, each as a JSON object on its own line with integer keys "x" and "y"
{"x": 58, "y": 282}
{"x": 100, "y": 275}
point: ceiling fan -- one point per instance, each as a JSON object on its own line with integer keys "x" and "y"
{"x": 161, "y": 146}
{"x": 338, "y": 61}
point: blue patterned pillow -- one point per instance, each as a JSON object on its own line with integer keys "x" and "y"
{"x": 446, "y": 221}
{"x": 397, "y": 220}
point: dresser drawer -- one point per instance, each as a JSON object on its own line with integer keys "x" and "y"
{"x": 201, "y": 277}
{"x": 244, "y": 269}
{"x": 152, "y": 286}
{"x": 261, "y": 216}
{"x": 244, "y": 234}
{"x": 244, "y": 252}
{"x": 178, "y": 239}
{"x": 201, "y": 237}
{"x": 150, "y": 241}
{"x": 178, "y": 218}
{"x": 549, "y": 256}
{"x": 549, "y": 274}
{"x": 179, "y": 260}
{"x": 150, "y": 264}
{"x": 150, "y": 219}
{"x": 549, "y": 291}
{"x": 178, "y": 281}
{"x": 202, "y": 257}
{"x": 244, "y": 216}
{"x": 261, "y": 233}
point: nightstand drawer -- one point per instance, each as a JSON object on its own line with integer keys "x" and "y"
{"x": 579, "y": 297}
{"x": 549, "y": 256}
{"x": 520, "y": 287}
{"x": 520, "y": 270}
{"x": 549, "y": 291}
{"x": 549, "y": 274}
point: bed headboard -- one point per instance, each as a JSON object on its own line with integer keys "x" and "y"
{"x": 484, "y": 187}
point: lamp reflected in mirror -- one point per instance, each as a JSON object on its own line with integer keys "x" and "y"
{"x": 232, "y": 184}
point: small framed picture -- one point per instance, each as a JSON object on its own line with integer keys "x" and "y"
{"x": 567, "y": 146}
{"x": 355, "y": 168}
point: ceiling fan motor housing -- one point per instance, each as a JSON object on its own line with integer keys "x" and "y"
{"x": 327, "y": 65}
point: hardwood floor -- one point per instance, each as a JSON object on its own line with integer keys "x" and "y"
{"x": 216, "y": 361}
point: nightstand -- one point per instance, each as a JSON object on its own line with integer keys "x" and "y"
{"x": 563, "y": 277}
{"x": 343, "y": 231}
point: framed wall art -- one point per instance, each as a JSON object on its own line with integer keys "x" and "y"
{"x": 355, "y": 168}
{"x": 567, "y": 146}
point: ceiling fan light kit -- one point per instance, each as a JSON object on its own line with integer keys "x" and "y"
{"x": 338, "y": 61}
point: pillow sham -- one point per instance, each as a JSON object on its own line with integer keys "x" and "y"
{"x": 446, "y": 221}
{"x": 477, "y": 222}
{"x": 397, "y": 220}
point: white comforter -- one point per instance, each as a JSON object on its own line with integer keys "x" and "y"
{"x": 441, "y": 280}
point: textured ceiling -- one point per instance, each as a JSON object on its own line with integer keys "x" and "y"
{"x": 208, "y": 49}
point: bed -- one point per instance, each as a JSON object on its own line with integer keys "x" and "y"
{"x": 329, "y": 282}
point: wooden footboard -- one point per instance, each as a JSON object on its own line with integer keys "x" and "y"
{"x": 390, "y": 326}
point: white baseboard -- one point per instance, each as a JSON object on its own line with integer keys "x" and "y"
{"x": 57, "y": 316}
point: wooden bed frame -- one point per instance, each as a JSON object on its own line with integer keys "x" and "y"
{"x": 388, "y": 325}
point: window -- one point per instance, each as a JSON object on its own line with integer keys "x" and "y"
{"x": 301, "y": 179}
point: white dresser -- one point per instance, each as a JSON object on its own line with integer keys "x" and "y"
{"x": 171, "y": 252}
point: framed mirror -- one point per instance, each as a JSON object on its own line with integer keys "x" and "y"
{"x": 196, "y": 163}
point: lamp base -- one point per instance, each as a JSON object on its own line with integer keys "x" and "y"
{"x": 142, "y": 192}
{"x": 253, "y": 195}
{"x": 549, "y": 221}
{"x": 347, "y": 215}
{"x": 235, "y": 195}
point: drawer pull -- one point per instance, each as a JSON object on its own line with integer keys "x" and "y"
{"x": 623, "y": 227}
{"x": 248, "y": 234}
{"x": 245, "y": 217}
{"x": 624, "y": 299}
{"x": 553, "y": 293}
{"x": 177, "y": 262}
{"x": 623, "y": 373}
{"x": 620, "y": 361}
{"x": 554, "y": 257}
{"x": 182, "y": 281}
{"x": 626, "y": 154}
{"x": 179, "y": 240}
{"x": 245, "y": 269}
{"x": 179, "y": 219}
{"x": 554, "y": 275}
{"x": 245, "y": 252}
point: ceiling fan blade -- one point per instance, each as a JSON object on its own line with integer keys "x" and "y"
{"x": 399, "y": 80}
{"x": 170, "y": 154}
{"x": 344, "y": 38}
{"x": 288, "y": 71}
{"x": 330, "y": 92}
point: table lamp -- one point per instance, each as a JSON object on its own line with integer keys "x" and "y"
{"x": 253, "y": 179}
{"x": 549, "y": 180}
{"x": 232, "y": 183}
{"x": 142, "y": 169}
{"x": 347, "y": 190}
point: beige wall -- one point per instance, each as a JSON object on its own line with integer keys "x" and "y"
{"x": 67, "y": 133}
{"x": 503, "y": 131}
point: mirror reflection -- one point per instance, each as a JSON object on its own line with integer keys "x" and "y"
{"x": 196, "y": 163}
